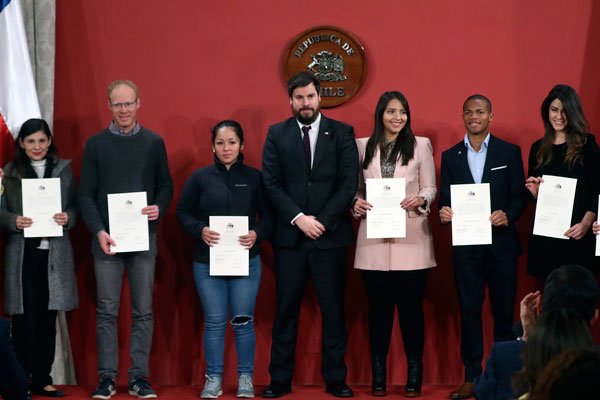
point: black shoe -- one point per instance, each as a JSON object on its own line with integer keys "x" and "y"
{"x": 275, "y": 390}
{"x": 378, "y": 369}
{"x": 415, "y": 378}
{"x": 339, "y": 390}
{"x": 48, "y": 393}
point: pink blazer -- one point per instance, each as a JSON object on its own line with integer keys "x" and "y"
{"x": 415, "y": 251}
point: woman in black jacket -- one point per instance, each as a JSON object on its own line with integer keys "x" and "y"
{"x": 226, "y": 188}
{"x": 568, "y": 150}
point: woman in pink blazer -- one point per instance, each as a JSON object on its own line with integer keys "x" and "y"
{"x": 395, "y": 270}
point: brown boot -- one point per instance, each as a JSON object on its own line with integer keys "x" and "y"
{"x": 463, "y": 392}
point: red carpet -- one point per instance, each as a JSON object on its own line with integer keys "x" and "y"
{"x": 298, "y": 392}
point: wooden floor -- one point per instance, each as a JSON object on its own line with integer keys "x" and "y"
{"x": 298, "y": 392}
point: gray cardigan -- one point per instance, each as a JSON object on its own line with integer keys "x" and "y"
{"x": 62, "y": 283}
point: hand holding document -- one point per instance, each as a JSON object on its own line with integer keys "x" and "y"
{"x": 386, "y": 219}
{"x": 228, "y": 257}
{"x": 128, "y": 226}
{"x": 554, "y": 207}
{"x": 41, "y": 200}
{"x": 471, "y": 209}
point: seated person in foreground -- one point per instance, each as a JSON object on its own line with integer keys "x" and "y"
{"x": 570, "y": 286}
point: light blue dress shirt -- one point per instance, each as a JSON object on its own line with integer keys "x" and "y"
{"x": 476, "y": 159}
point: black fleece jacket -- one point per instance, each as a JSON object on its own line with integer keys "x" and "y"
{"x": 214, "y": 190}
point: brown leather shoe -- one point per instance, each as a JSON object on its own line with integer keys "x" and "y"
{"x": 463, "y": 392}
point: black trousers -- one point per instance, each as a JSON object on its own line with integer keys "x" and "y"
{"x": 34, "y": 331}
{"x": 405, "y": 291}
{"x": 328, "y": 271}
{"x": 13, "y": 382}
{"x": 471, "y": 276}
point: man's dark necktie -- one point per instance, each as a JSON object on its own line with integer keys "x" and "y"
{"x": 306, "y": 141}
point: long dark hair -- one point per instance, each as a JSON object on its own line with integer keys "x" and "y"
{"x": 576, "y": 130}
{"x": 405, "y": 142}
{"x": 20, "y": 161}
{"x": 554, "y": 331}
{"x": 573, "y": 374}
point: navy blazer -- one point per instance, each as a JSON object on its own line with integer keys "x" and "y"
{"x": 324, "y": 191}
{"x": 503, "y": 170}
{"x": 495, "y": 383}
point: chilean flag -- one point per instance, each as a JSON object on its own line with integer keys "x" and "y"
{"x": 18, "y": 97}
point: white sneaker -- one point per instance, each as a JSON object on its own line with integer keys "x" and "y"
{"x": 245, "y": 387}
{"x": 212, "y": 387}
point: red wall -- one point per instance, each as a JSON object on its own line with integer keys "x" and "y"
{"x": 197, "y": 62}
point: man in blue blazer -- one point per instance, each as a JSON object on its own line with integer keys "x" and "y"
{"x": 483, "y": 158}
{"x": 310, "y": 172}
{"x": 495, "y": 383}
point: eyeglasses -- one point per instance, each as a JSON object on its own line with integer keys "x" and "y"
{"x": 127, "y": 105}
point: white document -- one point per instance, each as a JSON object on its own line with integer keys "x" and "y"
{"x": 128, "y": 226}
{"x": 386, "y": 219}
{"x": 554, "y": 207}
{"x": 41, "y": 200}
{"x": 228, "y": 257}
{"x": 471, "y": 209}
{"x": 598, "y": 236}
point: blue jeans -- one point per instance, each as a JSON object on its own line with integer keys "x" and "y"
{"x": 218, "y": 295}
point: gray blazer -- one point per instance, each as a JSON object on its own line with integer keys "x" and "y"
{"x": 62, "y": 283}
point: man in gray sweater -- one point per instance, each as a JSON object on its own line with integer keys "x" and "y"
{"x": 123, "y": 158}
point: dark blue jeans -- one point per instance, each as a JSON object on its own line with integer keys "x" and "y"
{"x": 221, "y": 295}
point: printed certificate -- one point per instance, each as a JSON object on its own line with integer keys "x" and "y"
{"x": 471, "y": 209}
{"x": 128, "y": 226}
{"x": 386, "y": 219}
{"x": 228, "y": 257}
{"x": 554, "y": 207}
{"x": 41, "y": 200}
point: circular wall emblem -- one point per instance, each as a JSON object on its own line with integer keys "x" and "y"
{"x": 335, "y": 57}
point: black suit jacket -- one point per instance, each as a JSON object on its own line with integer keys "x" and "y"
{"x": 325, "y": 191}
{"x": 503, "y": 170}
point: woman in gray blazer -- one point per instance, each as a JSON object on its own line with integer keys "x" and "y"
{"x": 39, "y": 272}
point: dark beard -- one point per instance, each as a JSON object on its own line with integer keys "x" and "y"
{"x": 307, "y": 121}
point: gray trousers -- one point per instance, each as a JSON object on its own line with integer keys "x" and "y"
{"x": 109, "y": 280}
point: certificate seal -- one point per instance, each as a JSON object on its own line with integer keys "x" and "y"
{"x": 336, "y": 58}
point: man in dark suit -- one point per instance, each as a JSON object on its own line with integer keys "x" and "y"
{"x": 310, "y": 171}
{"x": 483, "y": 158}
{"x": 13, "y": 381}
{"x": 570, "y": 286}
